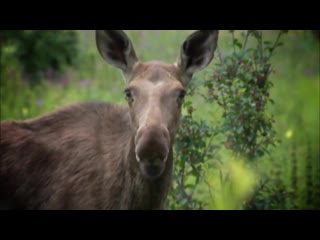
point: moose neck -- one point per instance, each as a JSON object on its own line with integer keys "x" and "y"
{"x": 140, "y": 192}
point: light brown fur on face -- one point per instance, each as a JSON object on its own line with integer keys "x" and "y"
{"x": 155, "y": 88}
{"x": 155, "y": 112}
{"x": 98, "y": 155}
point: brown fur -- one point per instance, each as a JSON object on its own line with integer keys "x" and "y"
{"x": 76, "y": 158}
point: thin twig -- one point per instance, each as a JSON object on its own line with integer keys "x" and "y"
{"x": 209, "y": 188}
{"x": 234, "y": 48}
{"x": 245, "y": 40}
{"x": 261, "y": 48}
{"x": 275, "y": 44}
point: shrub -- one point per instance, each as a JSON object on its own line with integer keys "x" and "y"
{"x": 239, "y": 84}
{"x": 41, "y": 50}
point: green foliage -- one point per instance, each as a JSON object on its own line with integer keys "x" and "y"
{"x": 41, "y": 51}
{"x": 191, "y": 154}
{"x": 240, "y": 86}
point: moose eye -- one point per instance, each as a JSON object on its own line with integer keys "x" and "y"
{"x": 128, "y": 95}
{"x": 181, "y": 96}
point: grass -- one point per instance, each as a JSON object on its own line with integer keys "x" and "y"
{"x": 295, "y": 162}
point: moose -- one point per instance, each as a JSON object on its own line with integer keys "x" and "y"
{"x": 98, "y": 155}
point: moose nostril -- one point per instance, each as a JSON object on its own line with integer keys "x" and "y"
{"x": 145, "y": 154}
{"x": 154, "y": 164}
{"x": 159, "y": 160}
{"x": 152, "y": 170}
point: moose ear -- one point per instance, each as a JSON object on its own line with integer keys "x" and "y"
{"x": 116, "y": 48}
{"x": 196, "y": 53}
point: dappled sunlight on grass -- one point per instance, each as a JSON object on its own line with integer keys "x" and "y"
{"x": 289, "y": 133}
{"x": 232, "y": 185}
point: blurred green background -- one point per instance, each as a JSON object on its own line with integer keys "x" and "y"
{"x": 71, "y": 70}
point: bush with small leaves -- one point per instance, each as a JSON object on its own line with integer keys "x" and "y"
{"x": 240, "y": 85}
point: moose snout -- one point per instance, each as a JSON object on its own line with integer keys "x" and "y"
{"x": 152, "y": 147}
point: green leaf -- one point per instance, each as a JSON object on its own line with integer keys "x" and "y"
{"x": 210, "y": 85}
{"x": 187, "y": 103}
{"x": 240, "y": 130}
{"x": 267, "y": 42}
{"x": 208, "y": 71}
{"x": 189, "y": 186}
{"x": 280, "y": 44}
{"x": 237, "y": 43}
{"x": 260, "y": 153}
